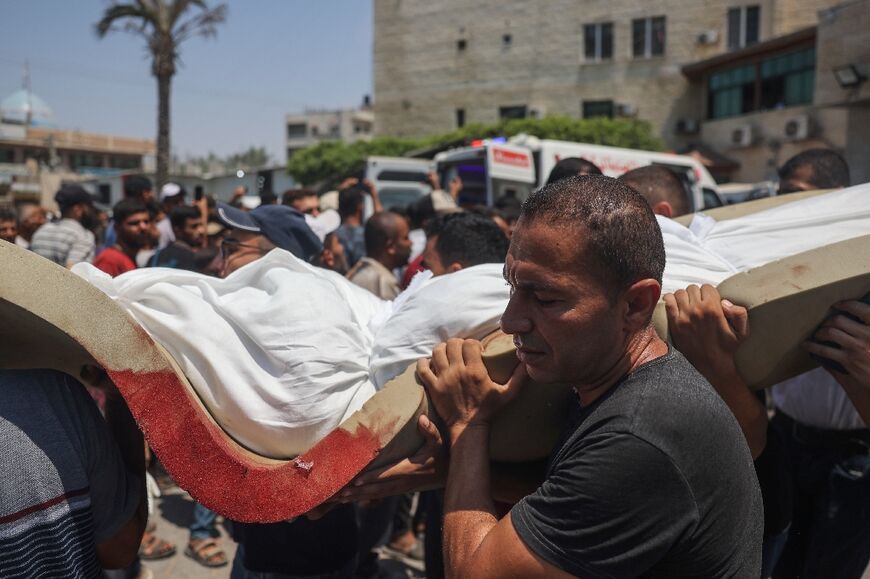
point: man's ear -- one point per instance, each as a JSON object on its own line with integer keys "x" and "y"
{"x": 453, "y": 267}
{"x": 664, "y": 209}
{"x": 641, "y": 299}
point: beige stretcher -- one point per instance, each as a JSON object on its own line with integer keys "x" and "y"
{"x": 51, "y": 318}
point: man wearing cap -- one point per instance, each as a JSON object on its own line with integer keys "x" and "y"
{"x": 68, "y": 240}
{"x": 254, "y": 234}
{"x": 171, "y": 196}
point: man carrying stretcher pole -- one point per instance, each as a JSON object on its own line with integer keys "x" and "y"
{"x": 653, "y": 475}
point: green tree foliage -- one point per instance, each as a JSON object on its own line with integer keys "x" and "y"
{"x": 331, "y": 160}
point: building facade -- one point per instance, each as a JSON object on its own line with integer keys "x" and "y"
{"x": 312, "y": 127}
{"x": 440, "y": 65}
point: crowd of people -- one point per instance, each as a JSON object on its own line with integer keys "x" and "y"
{"x": 672, "y": 466}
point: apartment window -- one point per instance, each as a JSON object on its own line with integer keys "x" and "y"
{"x": 297, "y": 130}
{"x": 743, "y": 26}
{"x": 773, "y": 83}
{"x": 461, "y": 44}
{"x": 648, "y": 37}
{"x": 597, "y": 109}
{"x": 506, "y": 40}
{"x": 460, "y": 118}
{"x": 513, "y": 112}
{"x": 7, "y": 155}
{"x": 598, "y": 41}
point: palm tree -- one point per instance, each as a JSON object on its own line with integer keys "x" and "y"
{"x": 164, "y": 26}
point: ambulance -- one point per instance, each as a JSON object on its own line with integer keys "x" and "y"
{"x": 493, "y": 170}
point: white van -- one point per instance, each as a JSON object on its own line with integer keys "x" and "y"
{"x": 399, "y": 181}
{"x": 494, "y": 169}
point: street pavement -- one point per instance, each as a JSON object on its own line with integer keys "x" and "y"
{"x": 173, "y": 515}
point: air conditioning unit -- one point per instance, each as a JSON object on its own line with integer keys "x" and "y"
{"x": 796, "y": 128}
{"x": 537, "y": 112}
{"x": 625, "y": 110}
{"x": 742, "y": 136}
{"x": 708, "y": 37}
{"x": 687, "y": 127}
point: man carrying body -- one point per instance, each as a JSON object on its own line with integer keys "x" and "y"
{"x": 189, "y": 233}
{"x": 387, "y": 247}
{"x": 132, "y": 225}
{"x": 69, "y": 240}
{"x": 654, "y": 476}
{"x": 660, "y": 187}
{"x": 458, "y": 240}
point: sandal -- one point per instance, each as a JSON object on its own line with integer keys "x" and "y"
{"x": 206, "y": 552}
{"x": 153, "y": 547}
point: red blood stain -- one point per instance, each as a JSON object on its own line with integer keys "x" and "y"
{"x": 220, "y": 474}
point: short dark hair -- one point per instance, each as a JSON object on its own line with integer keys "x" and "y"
{"x": 8, "y": 215}
{"x": 268, "y": 198}
{"x": 179, "y": 215}
{"x": 620, "y": 233}
{"x": 127, "y": 207}
{"x": 136, "y": 185}
{"x": 349, "y": 201}
{"x": 291, "y": 195}
{"x": 656, "y": 184}
{"x": 381, "y": 228}
{"x": 572, "y": 166}
{"x": 829, "y": 168}
{"x": 468, "y": 239}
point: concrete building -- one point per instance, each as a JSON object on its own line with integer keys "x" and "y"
{"x": 314, "y": 126}
{"x": 441, "y": 65}
{"x": 36, "y": 157}
{"x": 765, "y": 103}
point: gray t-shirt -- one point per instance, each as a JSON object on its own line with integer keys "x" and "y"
{"x": 654, "y": 479}
{"x": 64, "y": 487}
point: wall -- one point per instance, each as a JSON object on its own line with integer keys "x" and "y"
{"x": 421, "y": 78}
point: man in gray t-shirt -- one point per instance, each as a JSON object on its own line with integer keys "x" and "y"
{"x": 72, "y": 491}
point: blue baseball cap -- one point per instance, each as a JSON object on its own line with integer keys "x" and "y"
{"x": 282, "y": 225}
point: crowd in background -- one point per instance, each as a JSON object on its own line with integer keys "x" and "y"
{"x": 814, "y": 476}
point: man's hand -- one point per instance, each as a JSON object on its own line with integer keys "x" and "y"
{"x": 455, "y": 187}
{"x": 426, "y": 469}
{"x": 705, "y": 328}
{"x": 853, "y": 339}
{"x": 434, "y": 180}
{"x": 460, "y": 387}
{"x": 708, "y": 330}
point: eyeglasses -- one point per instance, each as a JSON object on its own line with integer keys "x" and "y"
{"x": 230, "y": 246}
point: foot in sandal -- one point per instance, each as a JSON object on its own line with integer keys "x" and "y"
{"x": 206, "y": 552}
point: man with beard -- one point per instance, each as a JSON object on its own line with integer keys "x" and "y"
{"x": 8, "y": 226}
{"x": 132, "y": 224}
{"x": 30, "y": 218}
{"x": 68, "y": 240}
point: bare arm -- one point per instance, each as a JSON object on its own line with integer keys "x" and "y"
{"x": 476, "y": 543}
{"x": 708, "y": 330}
{"x": 120, "y": 550}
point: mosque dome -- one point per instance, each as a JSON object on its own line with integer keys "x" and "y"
{"x": 23, "y": 104}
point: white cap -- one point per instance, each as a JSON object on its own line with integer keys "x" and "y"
{"x": 329, "y": 200}
{"x": 324, "y": 224}
{"x": 170, "y": 190}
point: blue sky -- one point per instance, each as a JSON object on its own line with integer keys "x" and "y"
{"x": 270, "y": 58}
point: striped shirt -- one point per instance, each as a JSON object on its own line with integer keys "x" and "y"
{"x": 63, "y": 488}
{"x": 65, "y": 242}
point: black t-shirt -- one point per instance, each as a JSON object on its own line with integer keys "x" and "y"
{"x": 175, "y": 255}
{"x": 654, "y": 479}
{"x": 300, "y": 547}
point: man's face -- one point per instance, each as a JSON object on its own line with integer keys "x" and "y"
{"x": 801, "y": 180}
{"x": 432, "y": 259}
{"x": 309, "y": 205}
{"x": 33, "y": 220}
{"x": 239, "y": 248}
{"x": 135, "y": 231}
{"x": 192, "y": 233}
{"x": 564, "y": 326}
{"x": 403, "y": 242}
{"x": 8, "y": 230}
